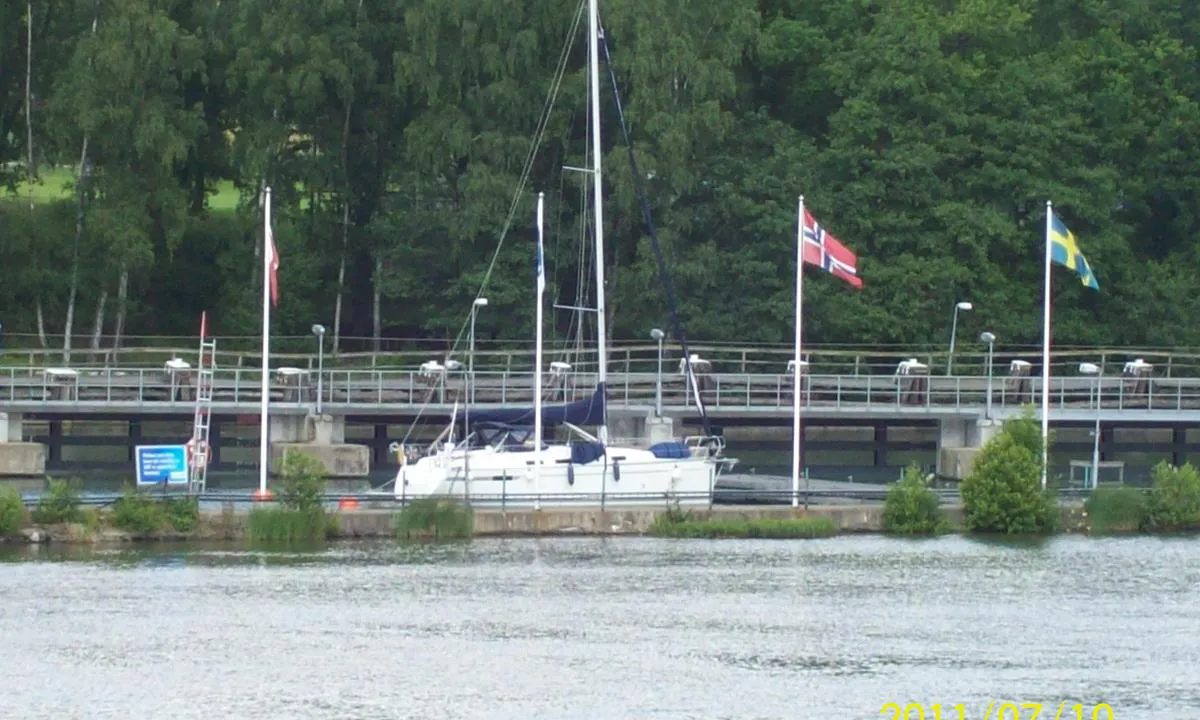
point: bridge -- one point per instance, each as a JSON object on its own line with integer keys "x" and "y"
{"x": 403, "y": 393}
{"x": 743, "y": 388}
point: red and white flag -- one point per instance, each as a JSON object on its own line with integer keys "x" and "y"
{"x": 272, "y": 260}
{"x": 828, "y": 253}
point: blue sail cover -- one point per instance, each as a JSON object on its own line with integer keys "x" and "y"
{"x": 589, "y": 411}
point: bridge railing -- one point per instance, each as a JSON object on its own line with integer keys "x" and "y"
{"x": 623, "y": 356}
{"x": 345, "y": 390}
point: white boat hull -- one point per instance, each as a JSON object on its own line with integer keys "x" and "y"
{"x": 624, "y": 477}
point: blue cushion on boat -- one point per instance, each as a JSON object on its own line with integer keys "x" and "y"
{"x": 670, "y": 450}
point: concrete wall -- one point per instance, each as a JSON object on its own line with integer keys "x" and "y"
{"x": 21, "y": 459}
{"x": 379, "y": 523}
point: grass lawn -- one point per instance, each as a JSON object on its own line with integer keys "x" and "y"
{"x": 56, "y": 183}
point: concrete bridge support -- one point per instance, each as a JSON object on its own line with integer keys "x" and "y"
{"x": 18, "y": 458}
{"x": 319, "y": 436}
{"x": 959, "y": 441}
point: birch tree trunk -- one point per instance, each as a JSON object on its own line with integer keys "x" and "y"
{"x": 341, "y": 279}
{"x": 98, "y": 326}
{"x": 31, "y": 166}
{"x": 377, "y": 322}
{"x": 73, "y": 288}
{"x": 122, "y": 307}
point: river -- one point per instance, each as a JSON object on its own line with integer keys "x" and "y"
{"x": 593, "y": 629}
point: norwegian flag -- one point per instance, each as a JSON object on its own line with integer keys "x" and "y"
{"x": 828, "y": 253}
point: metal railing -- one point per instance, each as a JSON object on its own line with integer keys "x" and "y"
{"x": 623, "y": 356}
{"x": 392, "y": 390}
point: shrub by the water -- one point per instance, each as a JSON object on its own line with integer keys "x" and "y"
{"x": 1174, "y": 502}
{"x": 59, "y": 504}
{"x": 301, "y": 513}
{"x": 911, "y": 508}
{"x": 12, "y": 511}
{"x": 183, "y": 513}
{"x": 282, "y": 525}
{"x": 137, "y": 512}
{"x": 1116, "y": 509}
{"x": 682, "y": 524}
{"x": 437, "y": 518}
{"x": 1003, "y": 493}
{"x": 140, "y": 512}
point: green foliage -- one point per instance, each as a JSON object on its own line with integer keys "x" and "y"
{"x": 141, "y": 513}
{"x": 1174, "y": 502}
{"x": 138, "y": 513}
{"x": 59, "y": 504}
{"x": 300, "y": 516}
{"x": 1003, "y": 492}
{"x": 183, "y": 513}
{"x": 1116, "y": 510}
{"x": 911, "y": 508}
{"x": 302, "y": 483}
{"x": 927, "y": 125}
{"x": 285, "y": 525}
{"x": 12, "y": 511}
{"x": 435, "y": 518}
{"x": 676, "y": 524}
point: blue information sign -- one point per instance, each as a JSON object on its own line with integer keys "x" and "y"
{"x": 159, "y": 463}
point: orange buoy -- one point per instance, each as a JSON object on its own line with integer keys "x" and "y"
{"x": 263, "y": 496}
{"x": 348, "y": 503}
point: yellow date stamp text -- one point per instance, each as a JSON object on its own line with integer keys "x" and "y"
{"x": 998, "y": 710}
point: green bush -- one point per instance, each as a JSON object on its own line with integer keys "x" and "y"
{"x": 1116, "y": 509}
{"x": 303, "y": 482}
{"x": 12, "y": 511}
{"x": 911, "y": 508}
{"x": 301, "y": 515}
{"x": 676, "y": 524}
{"x": 60, "y": 504}
{"x": 1174, "y": 502}
{"x": 183, "y": 513}
{"x": 137, "y": 512}
{"x": 1003, "y": 493}
{"x": 436, "y": 518}
{"x": 286, "y": 525}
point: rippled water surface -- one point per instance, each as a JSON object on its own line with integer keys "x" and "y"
{"x": 596, "y": 629}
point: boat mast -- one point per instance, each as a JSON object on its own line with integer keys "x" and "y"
{"x": 601, "y": 329}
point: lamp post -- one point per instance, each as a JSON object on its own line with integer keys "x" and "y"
{"x": 954, "y": 331}
{"x": 990, "y": 339}
{"x": 319, "y": 331}
{"x": 470, "y": 395}
{"x": 1094, "y": 370}
{"x": 658, "y": 335}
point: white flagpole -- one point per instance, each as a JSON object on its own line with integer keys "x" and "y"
{"x": 796, "y": 375}
{"x": 1046, "y": 350}
{"x": 263, "y": 441}
{"x": 537, "y": 362}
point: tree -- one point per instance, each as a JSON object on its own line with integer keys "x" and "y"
{"x": 1003, "y": 491}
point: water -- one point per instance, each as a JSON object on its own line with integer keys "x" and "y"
{"x": 592, "y": 629}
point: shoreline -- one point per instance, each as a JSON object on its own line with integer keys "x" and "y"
{"x": 378, "y": 523}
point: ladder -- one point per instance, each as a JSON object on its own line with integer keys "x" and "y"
{"x": 198, "y": 468}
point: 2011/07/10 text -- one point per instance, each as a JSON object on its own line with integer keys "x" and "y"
{"x": 1005, "y": 711}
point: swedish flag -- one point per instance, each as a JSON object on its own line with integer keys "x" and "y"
{"x": 1065, "y": 252}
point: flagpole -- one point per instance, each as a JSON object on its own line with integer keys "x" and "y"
{"x": 263, "y": 439}
{"x": 537, "y": 365}
{"x": 796, "y": 375}
{"x": 1046, "y": 348}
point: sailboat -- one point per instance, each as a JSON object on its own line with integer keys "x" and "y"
{"x": 504, "y": 458}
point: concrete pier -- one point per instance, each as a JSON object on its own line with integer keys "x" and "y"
{"x": 322, "y": 437}
{"x": 959, "y": 441}
{"x": 19, "y": 458}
